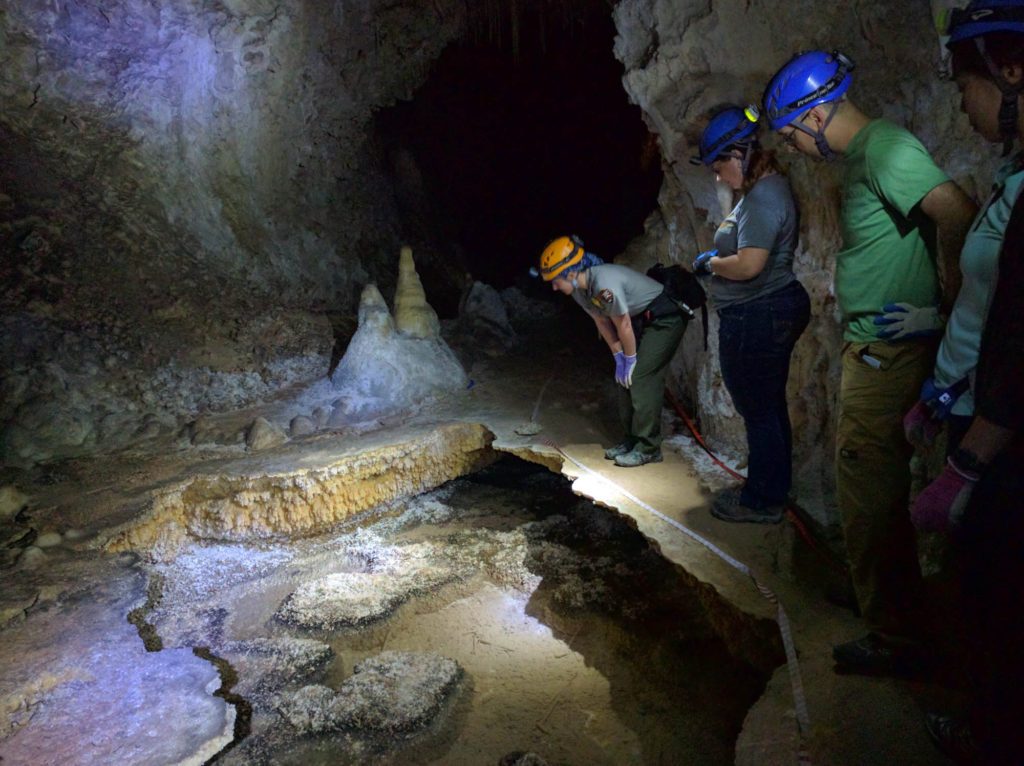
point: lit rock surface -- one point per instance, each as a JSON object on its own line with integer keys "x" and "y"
{"x": 267, "y": 663}
{"x": 413, "y": 315}
{"x": 393, "y": 692}
{"x": 303, "y": 499}
{"x": 386, "y": 371}
{"x": 77, "y": 685}
{"x": 352, "y": 599}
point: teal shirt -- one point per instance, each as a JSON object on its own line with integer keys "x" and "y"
{"x": 888, "y": 253}
{"x": 979, "y": 263}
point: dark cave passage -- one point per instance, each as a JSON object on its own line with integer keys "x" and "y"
{"x": 512, "y": 146}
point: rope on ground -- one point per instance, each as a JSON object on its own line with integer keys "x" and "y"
{"x": 791, "y": 514}
{"x": 796, "y": 681}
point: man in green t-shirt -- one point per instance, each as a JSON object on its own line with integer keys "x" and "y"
{"x": 903, "y": 224}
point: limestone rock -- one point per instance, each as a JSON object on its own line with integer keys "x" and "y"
{"x": 385, "y": 372}
{"x": 241, "y": 507}
{"x": 353, "y": 599}
{"x": 263, "y": 434}
{"x": 301, "y": 425}
{"x": 12, "y": 500}
{"x": 413, "y": 315}
{"x": 392, "y": 693}
{"x": 265, "y": 663}
{"x": 482, "y": 315}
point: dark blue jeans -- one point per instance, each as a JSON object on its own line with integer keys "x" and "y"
{"x": 755, "y": 342}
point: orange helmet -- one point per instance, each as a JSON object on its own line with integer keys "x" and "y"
{"x": 559, "y": 255}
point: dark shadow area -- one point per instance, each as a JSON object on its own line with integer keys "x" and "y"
{"x": 504, "y": 148}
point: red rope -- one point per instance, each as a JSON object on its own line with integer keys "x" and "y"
{"x": 801, "y": 528}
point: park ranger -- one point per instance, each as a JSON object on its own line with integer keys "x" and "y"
{"x": 642, "y": 326}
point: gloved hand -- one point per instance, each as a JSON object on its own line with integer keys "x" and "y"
{"x": 700, "y": 265}
{"x": 624, "y": 377}
{"x": 904, "y": 320}
{"x": 620, "y": 365}
{"x": 920, "y": 426}
{"x": 924, "y": 421}
{"x": 942, "y": 503}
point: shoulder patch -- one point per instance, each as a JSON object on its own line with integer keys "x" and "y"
{"x": 605, "y": 296}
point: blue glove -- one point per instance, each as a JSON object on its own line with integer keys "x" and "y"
{"x": 903, "y": 320}
{"x": 620, "y": 365}
{"x": 939, "y": 400}
{"x": 624, "y": 377}
{"x": 701, "y": 264}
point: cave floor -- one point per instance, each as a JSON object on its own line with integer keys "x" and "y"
{"x": 86, "y": 505}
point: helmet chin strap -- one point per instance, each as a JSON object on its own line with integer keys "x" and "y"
{"x": 820, "y": 142}
{"x": 1008, "y": 110}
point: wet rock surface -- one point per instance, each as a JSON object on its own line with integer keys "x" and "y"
{"x": 513, "y": 618}
{"x": 392, "y": 692}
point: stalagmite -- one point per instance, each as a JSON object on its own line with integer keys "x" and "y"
{"x": 413, "y": 315}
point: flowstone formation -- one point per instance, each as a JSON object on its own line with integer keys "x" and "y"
{"x": 393, "y": 364}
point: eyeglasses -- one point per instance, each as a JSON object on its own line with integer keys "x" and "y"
{"x": 790, "y": 138}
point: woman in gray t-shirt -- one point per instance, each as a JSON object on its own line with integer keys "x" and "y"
{"x": 762, "y": 308}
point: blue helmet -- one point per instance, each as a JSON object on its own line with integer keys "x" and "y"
{"x": 808, "y": 79}
{"x": 732, "y": 126}
{"x": 982, "y": 17}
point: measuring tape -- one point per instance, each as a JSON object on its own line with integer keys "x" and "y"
{"x": 799, "y": 700}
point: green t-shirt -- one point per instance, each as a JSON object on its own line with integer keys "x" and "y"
{"x": 888, "y": 253}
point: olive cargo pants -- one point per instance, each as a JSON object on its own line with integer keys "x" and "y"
{"x": 880, "y": 383}
{"x": 640, "y": 405}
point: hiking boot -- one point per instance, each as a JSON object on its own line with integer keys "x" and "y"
{"x": 635, "y": 458}
{"x": 727, "y": 507}
{"x": 874, "y": 655}
{"x": 619, "y": 449}
{"x": 953, "y": 737}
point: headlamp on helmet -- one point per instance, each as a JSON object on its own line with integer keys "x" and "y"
{"x": 732, "y": 126}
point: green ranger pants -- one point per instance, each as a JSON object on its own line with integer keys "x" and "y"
{"x": 640, "y": 404}
{"x": 881, "y": 382}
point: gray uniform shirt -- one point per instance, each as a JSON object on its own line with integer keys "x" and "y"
{"x": 614, "y": 290}
{"x": 766, "y": 218}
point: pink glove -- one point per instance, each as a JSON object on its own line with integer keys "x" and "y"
{"x": 920, "y": 427}
{"x": 941, "y": 504}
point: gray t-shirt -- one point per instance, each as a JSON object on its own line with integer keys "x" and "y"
{"x": 614, "y": 290}
{"x": 767, "y": 218}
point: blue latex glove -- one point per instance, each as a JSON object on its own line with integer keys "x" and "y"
{"x": 939, "y": 400}
{"x": 701, "y": 266}
{"x": 620, "y": 365}
{"x": 624, "y": 377}
{"x": 904, "y": 320}
{"x": 923, "y": 423}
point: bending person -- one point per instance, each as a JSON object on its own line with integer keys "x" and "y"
{"x": 642, "y": 327}
{"x": 762, "y": 308}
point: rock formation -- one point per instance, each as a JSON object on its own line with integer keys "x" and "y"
{"x": 413, "y": 315}
{"x": 389, "y": 367}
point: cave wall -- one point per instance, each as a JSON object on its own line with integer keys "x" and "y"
{"x": 187, "y": 189}
{"x": 684, "y": 59}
